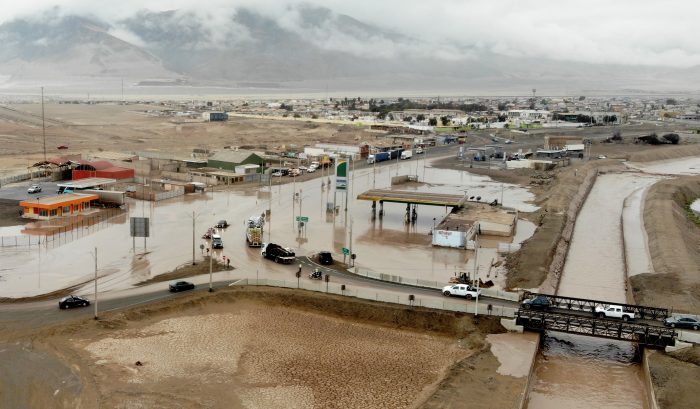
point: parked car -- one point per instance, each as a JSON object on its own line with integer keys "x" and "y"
{"x": 34, "y": 189}
{"x": 180, "y": 286}
{"x": 221, "y": 224}
{"x": 72, "y": 301}
{"x": 277, "y": 253}
{"x": 277, "y": 174}
{"x": 682, "y": 322}
{"x": 216, "y": 242}
{"x": 325, "y": 258}
{"x": 462, "y": 290}
{"x": 540, "y": 302}
{"x": 615, "y": 311}
{"x": 311, "y": 169}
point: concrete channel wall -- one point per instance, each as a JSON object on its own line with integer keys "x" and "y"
{"x": 648, "y": 384}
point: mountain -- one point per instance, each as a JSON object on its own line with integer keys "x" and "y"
{"x": 308, "y": 45}
{"x": 70, "y": 46}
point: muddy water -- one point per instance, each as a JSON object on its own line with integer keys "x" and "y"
{"x": 386, "y": 245}
{"x": 580, "y": 372}
{"x": 574, "y": 372}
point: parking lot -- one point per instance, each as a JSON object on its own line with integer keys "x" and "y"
{"x": 18, "y": 191}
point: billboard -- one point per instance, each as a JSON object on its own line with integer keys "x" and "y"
{"x": 341, "y": 175}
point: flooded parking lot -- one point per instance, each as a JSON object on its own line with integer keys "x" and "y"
{"x": 382, "y": 244}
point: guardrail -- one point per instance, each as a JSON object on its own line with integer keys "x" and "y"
{"x": 382, "y": 296}
{"x": 435, "y": 285}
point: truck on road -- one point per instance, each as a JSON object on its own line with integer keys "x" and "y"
{"x": 378, "y": 157}
{"x": 615, "y": 311}
{"x": 463, "y": 290}
{"x": 406, "y": 155}
{"x": 254, "y": 231}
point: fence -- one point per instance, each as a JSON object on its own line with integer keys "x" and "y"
{"x": 54, "y": 235}
{"x": 437, "y": 285}
{"x": 403, "y": 299}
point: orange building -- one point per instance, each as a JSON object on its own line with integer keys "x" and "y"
{"x": 49, "y": 207}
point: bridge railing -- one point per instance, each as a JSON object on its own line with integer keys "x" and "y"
{"x": 582, "y": 304}
{"x": 469, "y": 307}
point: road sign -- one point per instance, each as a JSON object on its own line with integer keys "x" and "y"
{"x": 304, "y": 219}
{"x": 346, "y": 251}
{"x": 139, "y": 227}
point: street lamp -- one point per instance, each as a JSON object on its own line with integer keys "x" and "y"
{"x": 211, "y": 255}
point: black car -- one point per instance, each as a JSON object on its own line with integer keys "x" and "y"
{"x": 325, "y": 258}
{"x": 538, "y": 303}
{"x": 682, "y": 322}
{"x": 278, "y": 254}
{"x": 181, "y": 286}
{"x": 221, "y": 224}
{"x": 72, "y": 301}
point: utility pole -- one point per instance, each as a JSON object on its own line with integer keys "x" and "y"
{"x": 193, "y": 237}
{"x": 95, "y": 282}
{"x": 43, "y": 126}
{"x": 122, "y": 90}
{"x": 211, "y": 256}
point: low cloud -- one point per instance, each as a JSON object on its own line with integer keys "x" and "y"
{"x": 627, "y": 32}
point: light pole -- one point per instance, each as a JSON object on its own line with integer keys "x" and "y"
{"x": 194, "y": 218}
{"x": 211, "y": 256}
{"x": 95, "y": 282}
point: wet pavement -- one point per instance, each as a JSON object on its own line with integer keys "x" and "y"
{"x": 385, "y": 244}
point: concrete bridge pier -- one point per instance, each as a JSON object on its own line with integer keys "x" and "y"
{"x": 381, "y": 209}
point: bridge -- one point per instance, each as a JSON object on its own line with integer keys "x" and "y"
{"x": 572, "y": 305}
{"x": 647, "y": 335}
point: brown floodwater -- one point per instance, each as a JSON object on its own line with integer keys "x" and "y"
{"x": 385, "y": 245}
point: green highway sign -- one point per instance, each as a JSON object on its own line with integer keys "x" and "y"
{"x": 304, "y": 219}
{"x": 346, "y": 251}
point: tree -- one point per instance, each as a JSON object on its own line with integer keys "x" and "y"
{"x": 502, "y": 106}
{"x": 296, "y": 115}
{"x": 407, "y": 119}
{"x": 581, "y": 98}
{"x": 445, "y": 120}
{"x": 671, "y": 101}
{"x": 420, "y": 118}
{"x": 432, "y": 121}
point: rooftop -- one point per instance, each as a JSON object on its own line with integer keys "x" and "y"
{"x": 86, "y": 183}
{"x": 57, "y": 199}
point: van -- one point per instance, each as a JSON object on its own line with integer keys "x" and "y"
{"x": 216, "y": 242}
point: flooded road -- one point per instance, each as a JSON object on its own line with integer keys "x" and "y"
{"x": 380, "y": 244}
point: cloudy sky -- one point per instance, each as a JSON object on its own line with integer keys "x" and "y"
{"x": 634, "y": 32}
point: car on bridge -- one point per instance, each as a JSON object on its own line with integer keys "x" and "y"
{"x": 540, "y": 302}
{"x": 682, "y": 322}
{"x": 462, "y": 290}
{"x": 72, "y": 301}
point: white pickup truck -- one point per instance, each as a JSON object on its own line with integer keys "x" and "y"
{"x": 462, "y": 290}
{"x": 614, "y": 311}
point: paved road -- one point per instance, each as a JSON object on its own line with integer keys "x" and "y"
{"x": 18, "y": 191}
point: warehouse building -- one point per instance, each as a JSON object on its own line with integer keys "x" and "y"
{"x": 229, "y": 159}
